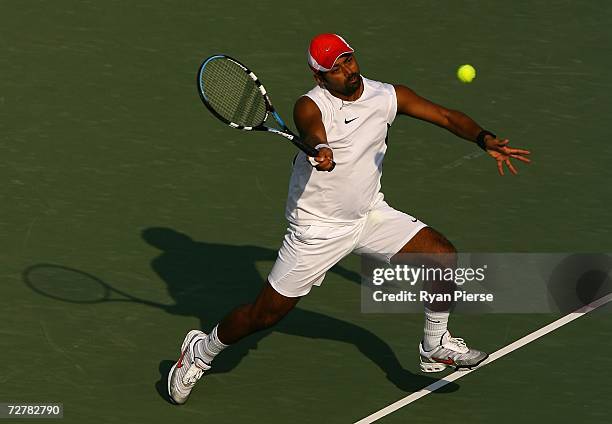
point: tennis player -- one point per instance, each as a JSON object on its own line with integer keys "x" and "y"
{"x": 332, "y": 214}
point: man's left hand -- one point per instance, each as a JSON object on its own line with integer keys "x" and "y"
{"x": 501, "y": 152}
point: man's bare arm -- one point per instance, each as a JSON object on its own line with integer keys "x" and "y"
{"x": 308, "y": 120}
{"x": 410, "y": 103}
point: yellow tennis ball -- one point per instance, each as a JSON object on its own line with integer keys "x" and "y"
{"x": 466, "y": 73}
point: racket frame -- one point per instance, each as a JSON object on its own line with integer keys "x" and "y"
{"x": 284, "y": 131}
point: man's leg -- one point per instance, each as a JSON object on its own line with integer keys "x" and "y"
{"x": 268, "y": 309}
{"x": 430, "y": 248}
{"x": 305, "y": 256}
{"x": 438, "y": 348}
{"x": 428, "y": 240}
{"x": 402, "y": 238}
{"x": 199, "y": 349}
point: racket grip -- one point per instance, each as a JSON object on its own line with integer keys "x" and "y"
{"x": 310, "y": 151}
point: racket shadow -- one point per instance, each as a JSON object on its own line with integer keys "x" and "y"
{"x": 71, "y": 285}
{"x": 208, "y": 280}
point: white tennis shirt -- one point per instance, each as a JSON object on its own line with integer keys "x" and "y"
{"x": 356, "y": 132}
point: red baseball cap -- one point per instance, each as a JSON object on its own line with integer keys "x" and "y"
{"x": 325, "y": 49}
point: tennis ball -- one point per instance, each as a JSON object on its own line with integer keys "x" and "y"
{"x": 466, "y": 73}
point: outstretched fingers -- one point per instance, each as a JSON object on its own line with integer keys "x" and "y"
{"x": 519, "y": 151}
{"x": 511, "y": 167}
{"x": 521, "y": 158}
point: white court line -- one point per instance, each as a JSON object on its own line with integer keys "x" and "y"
{"x": 495, "y": 355}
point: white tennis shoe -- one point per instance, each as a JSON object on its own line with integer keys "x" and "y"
{"x": 451, "y": 352}
{"x": 188, "y": 369}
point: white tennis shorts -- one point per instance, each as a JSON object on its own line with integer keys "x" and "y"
{"x": 309, "y": 251}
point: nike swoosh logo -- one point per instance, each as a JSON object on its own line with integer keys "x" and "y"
{"x": 448, "y": 361}
{"x": 350, "y": 120}
{"x": 179, "y": 364}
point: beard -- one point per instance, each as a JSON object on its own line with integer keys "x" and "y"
{"x": 353, "y": 82}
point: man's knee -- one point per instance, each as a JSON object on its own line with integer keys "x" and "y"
{"x": 438, "y": 243}
{"x": 432, "y": 246}
{"x": 445, "y": 251}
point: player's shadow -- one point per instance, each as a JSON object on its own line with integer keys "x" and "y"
{"x": 207, "y": 280}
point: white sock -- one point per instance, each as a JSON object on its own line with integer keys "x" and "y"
{"x": 210, "y": 347}
{"x": 435, "y": 326}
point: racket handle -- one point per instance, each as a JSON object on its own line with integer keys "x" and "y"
{"x": 310, "y": 151}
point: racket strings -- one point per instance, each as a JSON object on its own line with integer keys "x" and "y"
{"x": 232, "y": 93}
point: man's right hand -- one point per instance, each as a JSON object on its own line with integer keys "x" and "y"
{"x": 325, "y": 159}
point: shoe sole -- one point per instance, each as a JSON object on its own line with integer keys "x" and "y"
{"x": 186, "y": 341}
{"x": 437, "y": 366}
{"x": 169, "y": 379}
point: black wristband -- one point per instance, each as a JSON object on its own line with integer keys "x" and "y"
{"x": 480, "y": 138}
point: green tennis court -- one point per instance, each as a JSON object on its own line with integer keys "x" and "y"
{"x": 113, "y": 173}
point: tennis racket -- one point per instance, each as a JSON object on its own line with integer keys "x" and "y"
{"x": 74, "y": 286}
{"x": 236, "y": 96}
